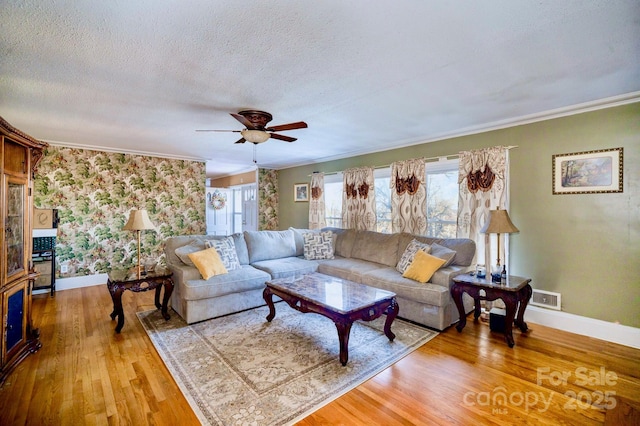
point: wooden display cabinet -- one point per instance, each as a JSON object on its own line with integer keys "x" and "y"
{"x": 19, "y": 156}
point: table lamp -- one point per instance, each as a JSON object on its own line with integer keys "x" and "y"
{"x": 138, "y": 221}
{"x": 498, "y": 223}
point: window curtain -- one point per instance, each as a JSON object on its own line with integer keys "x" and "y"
{"x": 408, "y": 196}
{"x": 358, "y": 199}
{"x": 483, "y": 178}
{"x": 316, "y": 204}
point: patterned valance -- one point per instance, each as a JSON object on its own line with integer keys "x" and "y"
{"x": 409, "y": 185}
{"x": 481, "y": 180}
{"x": 480, "y": 168}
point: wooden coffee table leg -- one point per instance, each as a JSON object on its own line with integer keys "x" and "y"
{"x": 268, "y": 298}
{"x": 344, "y": 330}
{"x": 392, "y": 313}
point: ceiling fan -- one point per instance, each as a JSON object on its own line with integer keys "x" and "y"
{"x": 256, "y": 130}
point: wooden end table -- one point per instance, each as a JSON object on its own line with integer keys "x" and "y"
{"x": 120, "y": 280}
{"x": 340, "y": 300}
{"x": 515, "y": 294}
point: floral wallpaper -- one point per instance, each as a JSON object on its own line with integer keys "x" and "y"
{"x": 95, "y": 191}
{"x": 268, "y": 200}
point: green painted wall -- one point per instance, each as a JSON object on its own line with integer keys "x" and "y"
{"x": 586, "y": 247}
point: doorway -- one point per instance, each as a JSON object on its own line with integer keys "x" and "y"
{"x": 231, "y": 210}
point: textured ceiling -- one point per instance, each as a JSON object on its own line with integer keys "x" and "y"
{"x": 141, "y": 76}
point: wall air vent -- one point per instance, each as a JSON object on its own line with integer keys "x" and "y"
{"x": 546, "y": 299}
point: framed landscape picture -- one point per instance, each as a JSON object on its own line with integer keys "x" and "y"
{"x": 589, "y": 172}
{"x": 301, "y": 192}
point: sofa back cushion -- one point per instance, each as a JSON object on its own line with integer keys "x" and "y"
{"x": 266, "y": 245}
{"x": 298, "y": 236}
{"x": 465, "y": 248}
{"x": 376, "y": 247}
{"x": 241, "y": 248}
{"x": 343, "y": 240}
{"x": 174, "y": 243}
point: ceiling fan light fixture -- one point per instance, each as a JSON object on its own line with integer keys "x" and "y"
{"x": 255, "y": 136}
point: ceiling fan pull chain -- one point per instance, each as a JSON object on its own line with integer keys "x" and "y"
{"x": 255, "y": 149}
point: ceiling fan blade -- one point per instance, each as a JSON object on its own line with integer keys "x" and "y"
{"x": 290, "y": 126}
{"x": 283, "y": 137}
{"x": 210, "y": 130}
{"x": 241, "y": 140}
{"x": 241, "y": 118}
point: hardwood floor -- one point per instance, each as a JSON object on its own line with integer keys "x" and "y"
{"x": 87, "y": 374}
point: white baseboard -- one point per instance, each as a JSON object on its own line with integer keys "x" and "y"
{"x": 77, "y": 282}
{"x": 585, "y": 326}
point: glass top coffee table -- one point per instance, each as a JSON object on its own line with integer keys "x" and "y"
{"x": 340, "y": 300}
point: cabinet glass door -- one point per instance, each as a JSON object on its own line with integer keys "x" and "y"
{"x": 14, "y": 229}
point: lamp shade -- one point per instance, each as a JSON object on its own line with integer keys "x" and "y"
{"x": 499, "y": 223}
{"x": 255, "y": 136}
{"x": 138, "y": 221}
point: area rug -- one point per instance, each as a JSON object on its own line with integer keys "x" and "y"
{"x": 241, "y": 369}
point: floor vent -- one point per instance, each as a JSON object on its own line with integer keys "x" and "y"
{"x": 546, "y": 299}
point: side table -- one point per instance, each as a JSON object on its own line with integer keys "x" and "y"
{"x": 515, "y": 294}
{"x": 120, "y": 280}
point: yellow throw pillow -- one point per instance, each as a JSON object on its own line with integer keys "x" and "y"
{"x": 208, "y": 262}
{"x": 423, "y": 267}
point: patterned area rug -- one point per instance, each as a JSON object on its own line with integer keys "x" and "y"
{"x": 241, "y": 369}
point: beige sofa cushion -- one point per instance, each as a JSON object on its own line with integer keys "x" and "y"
{"x": 389, "y": 279}
{"x": 344, "y": 239}
{"x": 376, "y": 247}
{"x": 348, "y": 269}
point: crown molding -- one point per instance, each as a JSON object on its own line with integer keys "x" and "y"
{"x": 122, "y": 151}
{"x": 611, "y": 102}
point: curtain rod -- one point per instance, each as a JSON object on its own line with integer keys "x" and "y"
{"x": 428, "y": 159}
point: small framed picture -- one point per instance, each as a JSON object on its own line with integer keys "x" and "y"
{"x": 301, "y": 192}
{"x": 589, "y": 172}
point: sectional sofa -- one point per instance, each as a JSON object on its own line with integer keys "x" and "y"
{"x": 362, "y": 256}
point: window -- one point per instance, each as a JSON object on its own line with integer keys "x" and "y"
{"x": 382, "y": 179}
{"x": 333, "y": 200}
{"x": 442, "y": 198}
